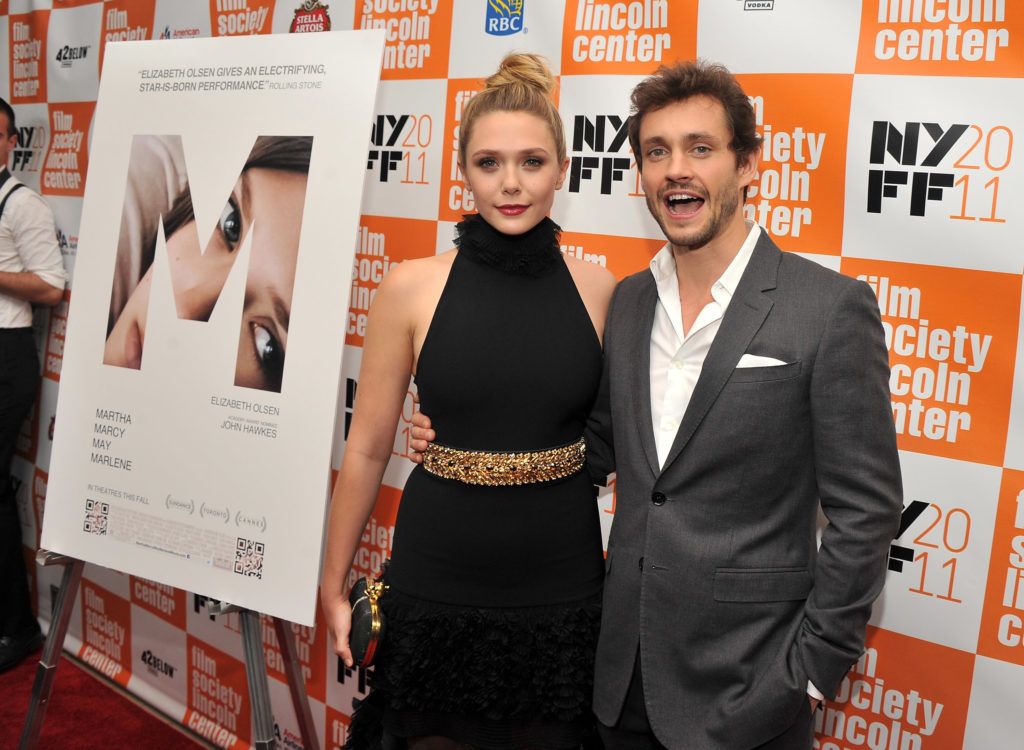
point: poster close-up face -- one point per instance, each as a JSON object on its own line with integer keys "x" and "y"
{"x": 267, "y": 200}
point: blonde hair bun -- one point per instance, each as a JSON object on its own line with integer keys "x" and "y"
{"x": 523, "y": 83}
{"x": 523, "y": 68}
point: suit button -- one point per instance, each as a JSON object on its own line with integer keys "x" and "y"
{"x": 658, "y": 498}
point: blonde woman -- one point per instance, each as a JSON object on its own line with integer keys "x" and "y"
{"x": 496, "y": 570}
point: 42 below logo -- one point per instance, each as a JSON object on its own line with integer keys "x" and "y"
{"x": 68, "y": 55}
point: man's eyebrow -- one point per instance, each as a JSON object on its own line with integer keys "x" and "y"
{"x": 688, "y": 137}
{"x": 701, "y": 136}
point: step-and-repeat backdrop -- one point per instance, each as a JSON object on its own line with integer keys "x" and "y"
{"x": 892, "y": 152}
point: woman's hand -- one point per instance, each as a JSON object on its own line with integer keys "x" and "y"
{"x": 421, "y": 436}
{"x": 338, "y": 613}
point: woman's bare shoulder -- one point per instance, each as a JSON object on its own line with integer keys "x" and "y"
{"x": 417, "y": 273}
{"x": 590, "y": 277}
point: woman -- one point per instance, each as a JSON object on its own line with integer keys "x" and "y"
{"x": 496, "y": 568}
{"x": 272, "y": 188}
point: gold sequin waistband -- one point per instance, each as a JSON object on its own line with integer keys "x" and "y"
{"x": 504, "y": 469}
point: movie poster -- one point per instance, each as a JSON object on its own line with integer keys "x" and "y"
{"x": 192, "y": 442}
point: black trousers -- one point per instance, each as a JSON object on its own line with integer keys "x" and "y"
{"x": 633, "y": 730}
{"x": 19, "y": 381}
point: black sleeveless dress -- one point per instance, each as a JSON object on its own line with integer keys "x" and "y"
{"x": 494, "y": 599}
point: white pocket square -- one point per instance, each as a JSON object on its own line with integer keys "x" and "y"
{"x": 755, "y": 360}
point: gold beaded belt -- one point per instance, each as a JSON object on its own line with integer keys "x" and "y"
{"x": 504, "y": 469}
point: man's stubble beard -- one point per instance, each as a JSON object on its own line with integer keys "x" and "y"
{"x": 727, "y": 199}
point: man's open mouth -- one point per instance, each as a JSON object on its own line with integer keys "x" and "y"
{"x": 682, "y": 205}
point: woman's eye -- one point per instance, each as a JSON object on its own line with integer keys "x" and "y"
{"x": 267, "y": 347}
{"x": 487, "y": 163}
{"x": 533, "y": 161}
{"x": 270, "y": 354}
{"x": 230, "y": 224}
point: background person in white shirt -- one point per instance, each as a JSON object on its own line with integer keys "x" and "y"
{"x": 31, "y": 272}
{"x": 744, "y": 388}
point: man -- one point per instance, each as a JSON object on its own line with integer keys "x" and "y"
{"x": 744, "y": 388}
{"x": 31, "y": 272}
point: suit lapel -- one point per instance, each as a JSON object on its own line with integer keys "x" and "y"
{"x": 641, "y": 374}
{"x": 744, "y": 316}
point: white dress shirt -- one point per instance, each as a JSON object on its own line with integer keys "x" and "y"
{"x": 677, "y": 357}
{"x": 28, "y": 242}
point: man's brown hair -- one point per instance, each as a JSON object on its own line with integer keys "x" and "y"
{"x": 682, "y": 80}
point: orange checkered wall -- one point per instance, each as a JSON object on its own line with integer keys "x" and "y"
{"x": 893, "y": 133}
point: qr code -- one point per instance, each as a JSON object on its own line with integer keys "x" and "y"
{"x": 249, "y": 558}
{"x": 96, "y": 514}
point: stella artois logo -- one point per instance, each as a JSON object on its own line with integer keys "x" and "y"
{"x": 311, "y": 16}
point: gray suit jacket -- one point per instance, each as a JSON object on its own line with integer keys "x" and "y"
{"x": 713, "y": 568}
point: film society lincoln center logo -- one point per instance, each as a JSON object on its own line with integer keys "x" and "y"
{"x": 27, "y": 47}
{"x": 125, "y": 21}
{"x": 609, "y": 37}
{"x": 942, "y": 37}
{"x": 311, "y": 15}
{"x": 1002, "y": 623}
{"x": 951, "y": 361}
{"x": 418, "y": 35}
{"x": 902, "y": 694}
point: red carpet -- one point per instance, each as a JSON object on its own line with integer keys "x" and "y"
{"x": 85, "y": 713}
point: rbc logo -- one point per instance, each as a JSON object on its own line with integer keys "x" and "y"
{"x": 504, "y": 17}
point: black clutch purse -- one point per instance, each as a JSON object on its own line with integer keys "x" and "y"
{"x": 367, "y": 629}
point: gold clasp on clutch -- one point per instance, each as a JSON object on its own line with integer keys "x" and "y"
{"x": 374, "y": 590}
